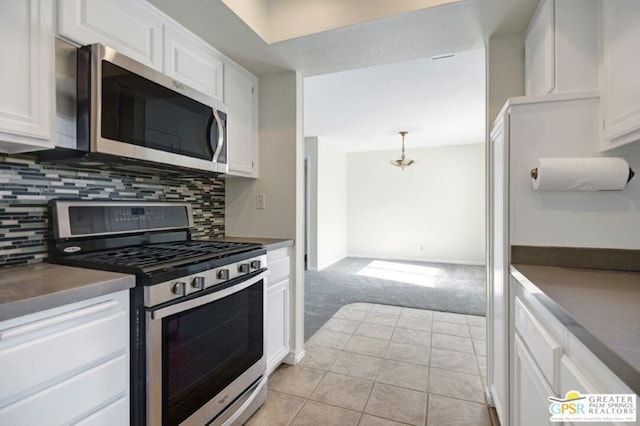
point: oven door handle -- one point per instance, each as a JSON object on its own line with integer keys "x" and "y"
{"x": 203, "y": 300}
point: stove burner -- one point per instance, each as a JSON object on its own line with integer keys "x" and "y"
{"x": 157, "y": 254}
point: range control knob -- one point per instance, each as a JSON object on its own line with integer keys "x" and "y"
{"x": 223, "y": 274}
{"x": 255, "y": 264}
{"x": 180, "y": 288}
{"x": 243, "y": 268}
{"x": 198, "y": 283}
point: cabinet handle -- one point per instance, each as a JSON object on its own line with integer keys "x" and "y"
{"x": 55, "y": 320}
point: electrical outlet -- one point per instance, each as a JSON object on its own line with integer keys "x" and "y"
{"x": 260, "y": 201}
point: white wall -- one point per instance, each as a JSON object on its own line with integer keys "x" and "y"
{"x": 605, "y": 219}
{"x": 328, "y": 218}
{"x": 431, "y": 211}
{"x": 277, "y": 144}
{"x": 332, "y": 203}
{"x": 281, "y": 180}
{"x": 505, "y": 71}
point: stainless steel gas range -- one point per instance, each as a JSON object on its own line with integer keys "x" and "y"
{"x": 197, "y": 317}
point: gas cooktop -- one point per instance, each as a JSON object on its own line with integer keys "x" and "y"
{"x": 150, "y": 240}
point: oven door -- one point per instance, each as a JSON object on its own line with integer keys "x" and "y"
{"x": 205, "y": 352}
{"x": 138, "y": 112}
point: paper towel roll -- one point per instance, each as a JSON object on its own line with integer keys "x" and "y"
{"x": 581, "y": 174}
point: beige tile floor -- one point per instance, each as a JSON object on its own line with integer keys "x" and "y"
{"x": 384, "y": 365}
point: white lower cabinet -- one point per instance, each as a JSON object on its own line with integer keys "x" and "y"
{"x": 277, "y": 323}
{"x": 67, "y": 365}
{"x": 529, "y": 402}
{"x": 549, "y": 360}
{"x": 277, "y": 310}
{"x": 27, "y": 88}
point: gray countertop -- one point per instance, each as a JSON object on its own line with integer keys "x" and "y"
{"x": 28, "y": 289}
{"x": 600, "y": 307}
{"x": 268, "y": 243}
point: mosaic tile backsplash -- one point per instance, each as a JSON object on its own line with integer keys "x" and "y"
{"x": 26, "y": 187}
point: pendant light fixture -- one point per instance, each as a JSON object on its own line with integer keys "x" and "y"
{"x": 402, "y": 162}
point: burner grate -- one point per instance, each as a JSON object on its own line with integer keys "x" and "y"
{"x": 158, "y": 254}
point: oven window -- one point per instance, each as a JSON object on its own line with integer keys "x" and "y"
{"x": 207, "y": 348}
{"x": 141, "y": 112}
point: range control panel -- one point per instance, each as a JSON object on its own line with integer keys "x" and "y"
{"x": 88, "y": 220}
{"x": 187, "y": 285}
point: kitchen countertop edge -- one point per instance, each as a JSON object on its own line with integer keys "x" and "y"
{"x": 626, "y": 372}
{"x": 90, "y": 284}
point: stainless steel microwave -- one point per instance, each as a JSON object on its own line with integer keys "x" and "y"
{"x": 136, "y": 117}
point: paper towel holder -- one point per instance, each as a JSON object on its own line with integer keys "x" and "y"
{"x": 534, "y": 174}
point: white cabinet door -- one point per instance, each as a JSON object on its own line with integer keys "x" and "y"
{"x": 621, "y": 68}
{"x": 277, "y": 323}
{"x": 498, "y": 312}
{"x": 26, "y": 75}
{"x": 77, "y": 352}
{"x": 240, "y": 95}
{"x": 561, "y": 47}
{"x": 540, "y": 51}
{"x": 530, "y": 404}
{"x": 191, "y": 61}
{"x": 132, "y": 27}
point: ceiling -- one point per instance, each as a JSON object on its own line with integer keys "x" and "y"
{"x": 279, "y": 20}
{"x": 439, "y": 102}
{"x": 453, "y": 27}
{"x": 369, "y": 72}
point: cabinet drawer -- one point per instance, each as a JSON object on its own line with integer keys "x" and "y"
{"x": 72, "y": 399}
{"x": 544, "y": 349}
{"x": 116, "y": 413}
{"x": 571, "y": 378}
{"x": 52, "y": 348}
{"x": 278, "y": 270}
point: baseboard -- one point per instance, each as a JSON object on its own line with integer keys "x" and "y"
{"x": 320, "y": 268}
{"x": 417, "y": 259}
{"x": 293, "y": 359}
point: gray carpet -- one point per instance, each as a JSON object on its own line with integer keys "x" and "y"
{"x": 435, "y": 286}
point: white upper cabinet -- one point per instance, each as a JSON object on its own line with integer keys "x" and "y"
{"x": 240, "y": 95}
{"x": 539, "y": 51}
{"x": 131, "y": 27}
{"x": 621, "y": 68}
{"x": 192, "y": 61}
{"x": 27, "y": 89}
{"x": 561, "y": 47}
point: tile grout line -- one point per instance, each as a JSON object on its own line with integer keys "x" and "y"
{"x": 383, "y": 358}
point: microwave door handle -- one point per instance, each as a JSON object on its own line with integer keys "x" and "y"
{"x": 218, "y": 148}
